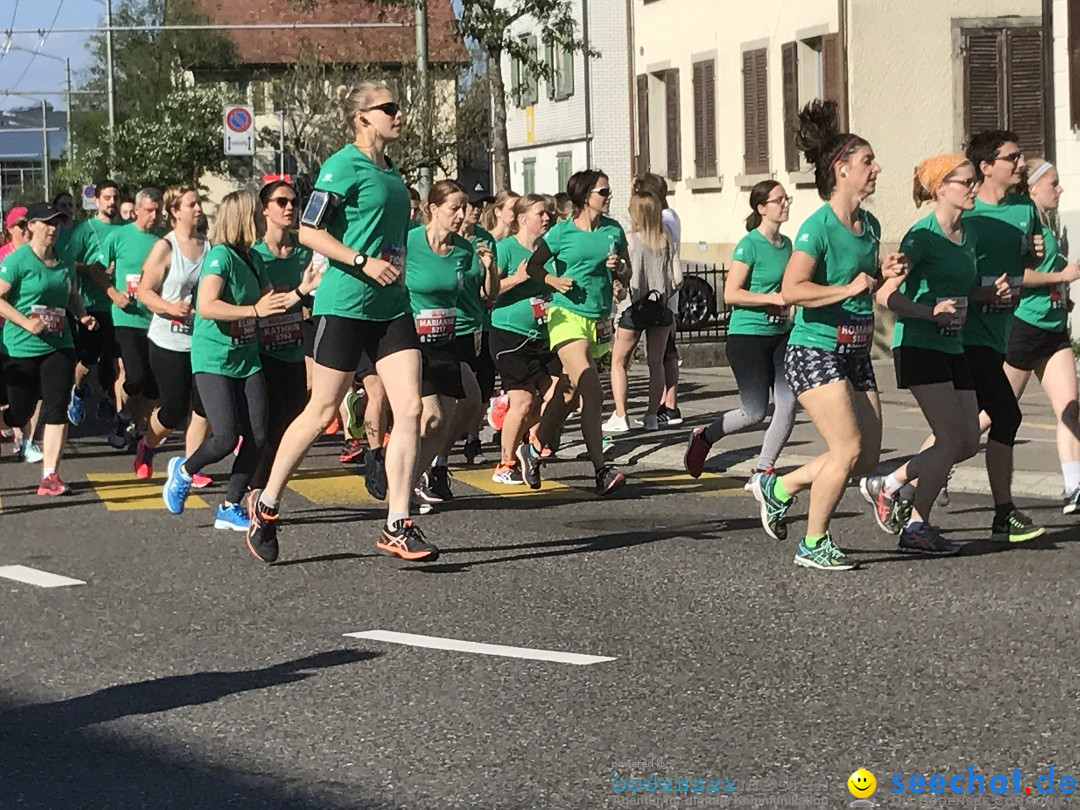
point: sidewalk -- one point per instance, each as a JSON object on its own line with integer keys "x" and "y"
{"x": 706, "y": 392}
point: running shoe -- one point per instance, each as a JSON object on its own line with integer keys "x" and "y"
{"x": 144, "y": 460}
{"x": 76, "y": 411}
{"x": 616, "y": 424}
{"x": 351, "y": 451}
{"x": 870, "y": 486}
{"x": 406, "y": 541}
{"x": 508, "y": 473}
{"x": 773, "y": 510}
{"x": 51, "y": 485}
{"x": 825, "y": 556}
{"x": 609, "y": 480}
{"x": 529, "y": 460}
{"x": 177, "y": 486}
{"x": 891, "y": 513}
{"x": 438, "y": 483}
{"x": 333, "y": 427}
{"x": 262, "y": 529}
{"x": 200, "y": 481}
{"x": 1071, "y": 503}
{"x": 697, "y": 452}
{"x": 942, "y": 499}
{"x": 669, "y": 417}
{"x": 375, "y": 473}
{"x": 749, "y": 485}
{"x": 496, "y": 412}
{"x": 922, "y": 538}
{"x": 354, "y": 426}
{"x": 474, "y": 451}
{"x": 30, "y": 451}
{"x": 232, "y": 517}
{"x": 117, "y": 437}
{"x": 649, "y": 422}
{"x": 1015, "y": 527}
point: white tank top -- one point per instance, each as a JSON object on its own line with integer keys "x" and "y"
{"x": 181, "y": 279}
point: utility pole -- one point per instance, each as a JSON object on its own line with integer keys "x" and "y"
{"x": 45, "y": 173}
{"x": 70, "y": 129}
{"x": 109, "y": 82}
{"x": 424, "y": 89}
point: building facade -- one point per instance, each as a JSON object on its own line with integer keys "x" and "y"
{"x": 579, "y": 119}
{"x": 1066, "y": 82}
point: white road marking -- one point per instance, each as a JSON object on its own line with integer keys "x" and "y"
{"x": 32, "y": 576}
{"x": 436, "y": 643}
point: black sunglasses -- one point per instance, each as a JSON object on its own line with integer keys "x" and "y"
{"x": 283, "y": 202}
{"x": 1012, "y": 157}
{"x": 391, "y": 108}
{"x": 603, "y": 192}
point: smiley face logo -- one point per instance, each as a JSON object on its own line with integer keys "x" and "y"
{"x": 862, "y": 784}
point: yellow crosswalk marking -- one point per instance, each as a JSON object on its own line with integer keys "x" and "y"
{"x": 683, "y": 483}
{"x": 481, "y": 479}
{"x": 330, "y": 485}
{"x": 121, "y": 492}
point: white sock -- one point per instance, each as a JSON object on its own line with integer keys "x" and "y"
{"x": 184, "y": 473}
{"x": 47, "y": 471}
{"x": 394, "y": 517}
{"x": 891, "y": 485}
{"x": 1070, "y": 471}
{"x": 440, "y": 461}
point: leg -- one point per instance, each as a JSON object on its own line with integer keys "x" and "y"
{"x": 253, "y": 412}
{"x": 287, "y": 381}
{"x": 57, "y": 372}
{"x": 751, "y": 363}
{"x": 656, "y": 341}
{"x": 671, "y": 373}
{"x": 522, "y": 412}
{"x": 625, "y": 341}
{"x": 376, "y": 424}
{"x": 438, "y": 418}
{"x": 783, "y": 418}
{"x": 953, "y": 418}
{"x": 221, "y": 398}
{"x": 400, "y": 375}
{"x": 1058, "y": 378}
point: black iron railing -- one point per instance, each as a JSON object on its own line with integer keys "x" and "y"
{"x": 703, "y": 314}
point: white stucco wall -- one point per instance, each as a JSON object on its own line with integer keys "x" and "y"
{"x": 1068, "y": 144}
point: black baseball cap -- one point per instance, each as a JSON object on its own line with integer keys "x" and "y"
{"x": 477, "y": 194}
{"x": 42, "y": 212}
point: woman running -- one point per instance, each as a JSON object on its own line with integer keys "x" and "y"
{"x": 655, "y": 274}
{"x": 358, "y": 217}
{"x": 170, "y": 276}
{"x": 281, "y": 347}
{"x": 931, "y": 303}
{"x": 758, "y": 332}
{"x": 590, "y": 253}
{"x": 234, "y": 292}
{"x": 831, "y": 276}
{"x": 498, "y": 218}
{"x": 519, "y": 339}
{"x": 1039, "y": 342}
{"x": 37, "y": 291}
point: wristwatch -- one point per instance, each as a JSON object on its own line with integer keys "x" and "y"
{"x": 359, "y": 260}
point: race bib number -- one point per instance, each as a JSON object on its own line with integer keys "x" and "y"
{"x": 854, "y": 334}
{"x": 243, "y": 331}
{"x": 603, "y": 331}
{"x": 777, "y": 315}
{"x": 1059, "y": 296}
{"x": 54, "y": 318}
{"x": 131, "y": 283}
{"x": 1016, "y": 284}
{"x": 180, "y": 327}
{"x": 435, "y": 325}
{"x": 281, "y": 330}
{"x": 959, "y": 319}
{"x": 539, "y": 310}
{"x": 395, "y": 254}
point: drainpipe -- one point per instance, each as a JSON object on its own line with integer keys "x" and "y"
{"x": 588, "y": 81}
{"x": 842, "y": 35}
{"x": 1049, "y": 119}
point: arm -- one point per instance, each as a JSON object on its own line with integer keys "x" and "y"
{"x": 519, "y": 277}
{"x": 799, "y": 290}
{"x": 153, "y": 276}
{"x": 888, "y": 295}
{"x": 735, "y": 291}
{"x": 212, "y": 308}
{"x": 1068, "y": 274}
{"x": 536, "y": 270}
{"x": 489, "y": 289}
{"x": 8, "y": 312}
{"x": 75, "y": 306}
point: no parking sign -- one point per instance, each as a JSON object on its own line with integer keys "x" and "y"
{"x": 239, "y": 121}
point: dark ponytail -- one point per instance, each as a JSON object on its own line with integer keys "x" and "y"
{"x": 820, "y": 140}
{"x": 759, "y": 195}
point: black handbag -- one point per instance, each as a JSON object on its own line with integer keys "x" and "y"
{"x": 651, "y": 310}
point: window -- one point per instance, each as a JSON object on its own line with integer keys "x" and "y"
{"x": 564, "y": 166}
{"x": 528, "y": 176}
{"x": 1003, "y": 83}
{"x": 660, "y": 92}
{"x": 560, "y": 62}
{"x": 810, "y": 68}
{"x": 756, "y": 112}
{"x": 525, "y": 87}
{"x": 705, "y": 118}
{"x": 1073, "y": 23}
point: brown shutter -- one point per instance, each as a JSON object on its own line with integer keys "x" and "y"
{"x": 984, "y": 86}
{"x": 1024, "y": 61}
{"x": 674, "y": 130}
{"x": 643, "y": 123}
{"x": 833, "y": 70}
{"x": 705, "y": 118}
{"x": 699, "y": 118}
{"x": 789, "y": 53}
{"x": 755, "y": 112}
{"x": 1073, "y": 14}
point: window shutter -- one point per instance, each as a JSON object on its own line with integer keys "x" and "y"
{"x": 790, "y": 69}
{"x": 699, "y": 119}
{"x": 516, "y": 91}
{"x": 674, "y": 131}
{"x": 553, "y": 69}
{"x": 1024, "y": 60}
{"x": 984, "y": 103}
{"x": 755, "y": 112}
{"x": 567, "y": 69}
{"x": 832, "y": 68}
{"x": 643, "y": 124}
{"x": 1073, "y": 21}
{"x": 709, "y": 78}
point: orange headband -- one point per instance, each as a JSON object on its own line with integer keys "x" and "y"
{"x": 930, "y": 174}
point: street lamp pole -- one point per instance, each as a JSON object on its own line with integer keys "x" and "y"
{"x": 45, "y": 168}
{"x": 426, "y": 116}
{"x": 109, "y": 81}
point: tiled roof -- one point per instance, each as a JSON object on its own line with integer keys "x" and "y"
{"x": 377, "y": 45}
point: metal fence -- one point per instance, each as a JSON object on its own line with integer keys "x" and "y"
{"x": 703, "y": 314}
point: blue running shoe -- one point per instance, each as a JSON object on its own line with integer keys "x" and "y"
{"x": 232, "y": 517}
{"x": 177, "y": 486}
{"x": 773, "y": 510}
{"x": 76, "y": 411}
{"x": 825, "y": 556}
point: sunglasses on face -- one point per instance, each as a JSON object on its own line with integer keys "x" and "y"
{"x": 970, "y": 182}
{"x": 391, "y": 108}
{"x": 22, "y": 223}
{"x": 603, "y": 192}
{"x": 1012, "y": 157}
{"x": 283, "y": 202}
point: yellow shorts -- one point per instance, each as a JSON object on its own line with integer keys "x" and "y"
{"x": 565, "y": 326}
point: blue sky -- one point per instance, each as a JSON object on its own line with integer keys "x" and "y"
{"x": 43, "y": 73}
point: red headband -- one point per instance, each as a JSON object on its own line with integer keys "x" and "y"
{"x": 841, "y": 151}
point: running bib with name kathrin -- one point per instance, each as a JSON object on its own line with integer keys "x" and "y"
{"x": 53, "y": 318}
{"x": 281, "y": 330}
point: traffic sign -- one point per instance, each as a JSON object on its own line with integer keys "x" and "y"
{"x": 239, "y": 130}
{"x": 89, "y": 197}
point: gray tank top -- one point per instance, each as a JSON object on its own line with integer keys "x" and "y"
{"x": 181, "y": 279}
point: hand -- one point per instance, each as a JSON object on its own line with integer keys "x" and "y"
{"x": 120, "y": 300}
{"x": 778, "y": 300}
{"x": 896, "y": 265}
{"x": 35, "y": 326}
{"x": 613, "y": 261}
{"x": 559, "y": 283}
{"x": 944, "y": 313}
{"x": 1038, "y": 246}
{"x": 90, "y": 322}
{"x": 310, "y": 279}
{"x": 618, "y": 290}
{"x": 1002, "y": 288}
{"x": 271, "y": 304}
{"x": 1070, "y": 273}
{"x": 485, "y": 255}
{"x": 180, "y": 310}
{"x": 381, "y": 271}
{"x": 862, "y": 284}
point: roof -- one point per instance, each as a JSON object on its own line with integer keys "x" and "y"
{"x": 20, "y": 134}
{"x": 378, "y": 45}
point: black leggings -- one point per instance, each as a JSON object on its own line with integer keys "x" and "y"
{"x": 135, "y": 352}
{"x": 287, "y": 387}
{"x": 234, "y": 408}
{"x": 178, "y": 395}
{"x": 485, "y": 369}
{"x": 994, "y": 393}
{"x": 47, "y": 377}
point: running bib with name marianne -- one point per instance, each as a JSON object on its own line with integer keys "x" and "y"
{"x": 435, "y": 325}
{"x": 854, "y": 333}
{"x": 131, "y": 283}
{"x": 281, "y": 330}
{"x": 53, "y": 318}
{"x": 243, "y": 331}
{"x": 1016, "y": 284}
{"x": 959, "y": 318}
{"x": 1059, "y": 296}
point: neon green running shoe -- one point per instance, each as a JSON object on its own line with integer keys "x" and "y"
{"x": 825, "y": 556}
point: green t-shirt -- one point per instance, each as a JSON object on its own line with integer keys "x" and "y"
{"x": 229, "y": 348}
{"x": 372, "y": 219}
{"x": 436, "y": 285}
{"x": 766, "y": 262}
{"x": 1047, "y": 306}
{"x": 126, "y": 249}
{"x": 582, "y": 256}
{"x": 1002, "y": 238}
{"x": 522, "y": 310}
{"x": 473, "y": 313}
{"x": 839, "y": 256}
{"x": 37, "y": 291}
{"x": 84, "y": 247}
{"x": 940, "y": 268}
{"x": 280, "y": 336}
{"x": 482, "y": 235}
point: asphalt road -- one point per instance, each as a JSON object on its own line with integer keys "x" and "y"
{"x": 186, "y": 674}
